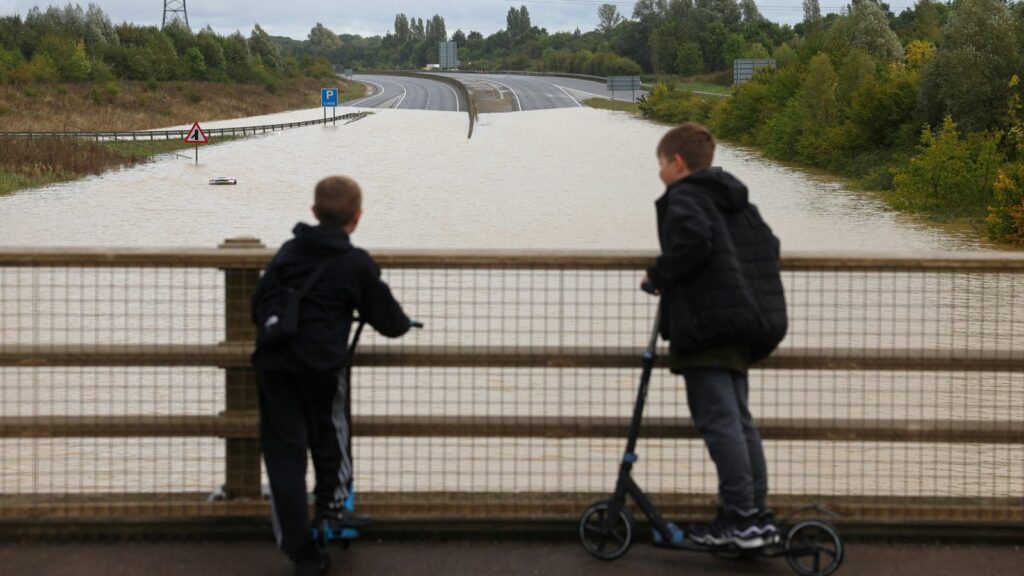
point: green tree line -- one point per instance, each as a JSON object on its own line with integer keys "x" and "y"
{"x": 924, "y": 105}
{"x": 69, "y": 44}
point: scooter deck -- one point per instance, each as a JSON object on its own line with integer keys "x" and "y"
{"x": 769, "y": 551}
{"x": 328, "y": 533}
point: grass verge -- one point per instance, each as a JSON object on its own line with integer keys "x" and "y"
{"x": 126, "y": 106}
{"x": 617, "y": 105}
{"x": 38, "y": 162}
{"x": 123, "y": 106}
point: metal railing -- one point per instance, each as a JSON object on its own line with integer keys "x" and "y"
{"x": 897, "y": 397}
{"x": 148, "y": 135}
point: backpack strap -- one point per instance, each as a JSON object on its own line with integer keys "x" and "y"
{"x": 312, "y": 279}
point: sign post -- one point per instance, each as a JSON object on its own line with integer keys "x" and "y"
{"x": 329, "y": 99}
{"x": 196, "y": 136}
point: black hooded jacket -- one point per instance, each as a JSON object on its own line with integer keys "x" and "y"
{"x": 718, "y": 269}
{"x": 350, "y": 283}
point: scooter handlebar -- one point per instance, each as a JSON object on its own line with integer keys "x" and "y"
{"x": 415, "y": 324}
{"x": 648, "y": 287}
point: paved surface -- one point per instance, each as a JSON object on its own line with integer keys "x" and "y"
{"x": 458, "y": 558}
{"x": 544, "y": 92}
{"x": 408, "y": 93}
{"x": 527, "y": 92}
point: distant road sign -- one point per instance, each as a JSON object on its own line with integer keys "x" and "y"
{"x": 329, "y": 97}
{"x": 196, "y": 135}
{"x": 348, "y": 72}
{"x": 617, "y": 83}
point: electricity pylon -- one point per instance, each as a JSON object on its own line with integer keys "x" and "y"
{"x": 175, "y": 10}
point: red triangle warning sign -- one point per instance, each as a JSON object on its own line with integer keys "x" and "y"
{"x": 196, "y": 135}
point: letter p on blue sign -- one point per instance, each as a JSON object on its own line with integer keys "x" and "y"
{"x": 329, "y": 97}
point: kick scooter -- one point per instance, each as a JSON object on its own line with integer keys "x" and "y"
{"x": 607, "y": 527}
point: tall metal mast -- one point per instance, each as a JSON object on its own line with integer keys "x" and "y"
{"x": 175, "y": 10}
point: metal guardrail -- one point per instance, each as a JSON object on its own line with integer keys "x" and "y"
{"x": 148, "y": 135}
{"x": 544, "y": 275}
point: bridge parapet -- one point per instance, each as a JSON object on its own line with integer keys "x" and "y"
{"x": 898, "y": 396}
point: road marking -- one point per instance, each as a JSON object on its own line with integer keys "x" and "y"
{"x": 378, "y": 86}
{"x": 564, "y": 92}
{"x": 404, "y": 93}
{"x": 514, "y": 95}
{"x": 456, "y": 96}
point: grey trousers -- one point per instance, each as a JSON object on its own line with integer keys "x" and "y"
{"x": 718, "y": 403}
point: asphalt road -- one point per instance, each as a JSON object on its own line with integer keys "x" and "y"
{"x": 408, "y": 93}
{"x": 546, "y": 92}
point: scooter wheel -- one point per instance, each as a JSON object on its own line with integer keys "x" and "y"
{"x": 607, "y": 529}
{"x": 814, "y": 548}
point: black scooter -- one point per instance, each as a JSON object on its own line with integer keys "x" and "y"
{"x": 324, "y": 533}
{"x": 607, "y": 528}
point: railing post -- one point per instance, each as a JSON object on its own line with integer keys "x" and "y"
{"x": 242, "y": 468}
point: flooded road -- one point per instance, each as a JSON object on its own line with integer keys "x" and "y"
{"x": 570, "y": 179}
{"x": 560, "y": 179}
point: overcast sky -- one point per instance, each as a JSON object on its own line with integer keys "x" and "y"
{"x": 372, "y": 17}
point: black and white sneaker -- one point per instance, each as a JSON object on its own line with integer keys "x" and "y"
{"x": 340, "y": 516}
{"x": 766, "y": 525}
{"x": 730, "y": 527}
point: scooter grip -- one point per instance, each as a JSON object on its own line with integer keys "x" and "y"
{"x": 415, "y": 324}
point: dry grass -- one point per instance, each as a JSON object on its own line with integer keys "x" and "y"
{"x": 26, "y": 163}
{"x": 143, "y": 106}
{"x": 120, "y": 107}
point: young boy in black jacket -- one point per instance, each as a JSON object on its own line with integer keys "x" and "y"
{"x": 723, "y": 309}
{"x": 302, "y": 377}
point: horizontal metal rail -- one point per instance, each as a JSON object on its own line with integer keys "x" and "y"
{"x": 236, "y": 355}
{"x": 253, "y": 258}
{"x": 180, "y": 134}
{"x": 245, "y": 424}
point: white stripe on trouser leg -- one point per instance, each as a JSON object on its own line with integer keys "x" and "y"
{"x": 341, "y": 430}
{"x": 278, "y": 533}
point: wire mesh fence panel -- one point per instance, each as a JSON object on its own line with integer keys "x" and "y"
{"x": 895, "y": 387}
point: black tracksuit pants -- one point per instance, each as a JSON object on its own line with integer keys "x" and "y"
{"x": 300, "y": 412}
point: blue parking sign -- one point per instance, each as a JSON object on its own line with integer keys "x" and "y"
{"x": 328, "y": 97}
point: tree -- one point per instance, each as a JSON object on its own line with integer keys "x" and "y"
{"x": 459, "y": 37}
{"x": 608, "y": 17}
{"x": 262, "y": 45}
{"x": 749, "y": 11}
{"x": 518, "y": 22}
{"x": 402, "y": 28}
{"x": 196, "y": 64}
{"x": 978, "y": 53}
{"x": 926, "y": 21}
{"x": 818, "y": 94}
{"x": 323, "y": 42}
{"x": 688, "y": 60}
{"x": 812, "y": 16}
{"x": 869, "y": 30}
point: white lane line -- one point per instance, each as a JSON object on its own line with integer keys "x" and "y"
{"x": 514, "y": 95}
{"x": 575, "y": 101}
{"x": 456, "y": 96}
{"x": 381, "y": 88}
{"x": 404, "y": 94}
